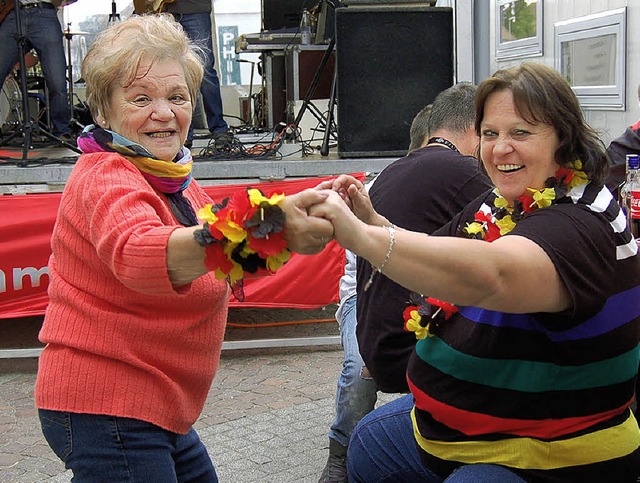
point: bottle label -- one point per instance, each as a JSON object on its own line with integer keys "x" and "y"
{"x": 635, "y": 204}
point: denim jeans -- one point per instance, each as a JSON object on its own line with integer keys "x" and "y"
{"x": 108, "y": 448}
{"x": 42, "y": 31}
{"x": 198, "y": 29}
{"x": 383, "y": 449}
{"x": 355, "y": 395}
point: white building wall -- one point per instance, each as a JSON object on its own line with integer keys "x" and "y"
{"x": 610, "y": 124}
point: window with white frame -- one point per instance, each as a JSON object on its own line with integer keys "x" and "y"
{"x": 518, "y": 29}
{"x": 590, "y": 54}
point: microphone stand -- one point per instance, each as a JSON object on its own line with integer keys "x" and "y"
{"x": 28, "y": 126}
{"x": 114, "y": 15}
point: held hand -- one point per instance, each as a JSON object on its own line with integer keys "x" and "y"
{"x": 304, "y": 233}
{"x": 347, "y": 228}
{"x": 355, "y": 195}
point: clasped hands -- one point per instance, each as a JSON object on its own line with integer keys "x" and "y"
{"x": 333, "y": 209}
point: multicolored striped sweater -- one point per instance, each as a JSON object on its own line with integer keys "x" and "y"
{"x": 547, "y": 395}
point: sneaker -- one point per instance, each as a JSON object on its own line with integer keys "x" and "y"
{"x": 335, "y": 471}
{"x": 188, "y": 143}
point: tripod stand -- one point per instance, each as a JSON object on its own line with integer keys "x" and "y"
{"x": 114, "y": 15}
{"x": 328, "y": 123}
{"x": 68, "y": 34}
{"x": 28, "y": 127}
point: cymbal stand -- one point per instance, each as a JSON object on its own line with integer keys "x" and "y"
{"x": 28, "y": 127}
{"x": 69, "y": 35}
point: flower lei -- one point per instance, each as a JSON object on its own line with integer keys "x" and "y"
{"x": 244, "y": 233}
{"x": 491, "y": 223}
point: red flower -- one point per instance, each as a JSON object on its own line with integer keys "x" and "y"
{"x": 448, "y": 308}
{"x": 267, "y": 246}
{"x": 528, "y": 203}
{"x": 216, "y": 258}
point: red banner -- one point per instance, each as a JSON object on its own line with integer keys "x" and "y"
{"x": 305, "y": 282}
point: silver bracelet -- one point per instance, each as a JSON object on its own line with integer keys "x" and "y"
{"x": 392, "y": 241}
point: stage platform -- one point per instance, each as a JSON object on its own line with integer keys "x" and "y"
{"x": 48, "y": 166}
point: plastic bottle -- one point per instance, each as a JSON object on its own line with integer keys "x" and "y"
{"x": 305, "y": 27}
{"x": 630, "y": 194}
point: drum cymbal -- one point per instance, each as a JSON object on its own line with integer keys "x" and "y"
{"x": 70, "y": 33}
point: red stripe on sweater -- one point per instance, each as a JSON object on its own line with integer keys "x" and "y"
{"x": 473, "y": 424}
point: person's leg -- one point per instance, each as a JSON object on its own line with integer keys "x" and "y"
{"x": 107, "y": 448}
{"x": 45, "y": 35}
{"x": 483, "y": 473}
{"x": 356, "y": 396}
{"x": 383, "y": 448}
{"x": 198, "y": 28}
{"x": 9, "y": 53}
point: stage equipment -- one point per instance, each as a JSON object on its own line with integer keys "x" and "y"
{"x": 391, "y": 62}
{"x": 10, "y": 102}
{"x": 114, "y": 15}
{"x": 283, "y": 14}
{"x": 68, "y": 34}
{"x": 28, "y": 127}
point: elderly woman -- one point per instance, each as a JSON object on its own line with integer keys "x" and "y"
{"x": 136, "y": 318}
{"x": 529, "y": 327}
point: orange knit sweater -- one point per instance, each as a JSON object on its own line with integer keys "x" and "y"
{"x": 121, "y": 340}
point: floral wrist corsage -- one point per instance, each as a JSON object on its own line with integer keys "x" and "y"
{"x": 244, "y": 233}
{"x": 424, "y": 312}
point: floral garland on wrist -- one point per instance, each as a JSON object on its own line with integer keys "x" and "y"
{"x": 491, "y": 223}
{"x": 244, "y": 233}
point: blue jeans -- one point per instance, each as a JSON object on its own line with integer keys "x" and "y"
{"x": 198, "y": 29}
{"x": 42, "y": 31}
{"x": 108, "y": 448}
{"x": 383, "y": 449}
{"x": 355, "y": 395}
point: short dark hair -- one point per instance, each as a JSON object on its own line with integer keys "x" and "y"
{"x": 419, "y": 128}
{"x": 454, "y": 109}
{"x": 542, "y": 95}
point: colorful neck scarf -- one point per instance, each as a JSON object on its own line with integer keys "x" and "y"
{"x": 165, "y": 176}
{"x": 168, "y": 177}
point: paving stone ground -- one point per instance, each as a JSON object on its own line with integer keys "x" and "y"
{"x": 265, "y": 419}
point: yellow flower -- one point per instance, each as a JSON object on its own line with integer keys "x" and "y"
{"x": 276, "y": 261}
{"x": 414, "y": 326}
{"x": 500, "y": 202}
{"x": 474, "y": 228}
{"x": 232, "y": 231}
{"x": 543, "y": 198}
{"x": 205, "y": 214}
{"x": 506, "y": 224}
{"x": 256, "y": 198}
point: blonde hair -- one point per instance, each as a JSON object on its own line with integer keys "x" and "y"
{"x": 116, "y": 54}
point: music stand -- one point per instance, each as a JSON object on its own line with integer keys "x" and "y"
{"x": 28, "y": 126}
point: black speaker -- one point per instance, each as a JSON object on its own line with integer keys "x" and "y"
{"x": 391, "y": 62}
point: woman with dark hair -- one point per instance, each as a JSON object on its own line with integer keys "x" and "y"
{"x": 526, "y": 308}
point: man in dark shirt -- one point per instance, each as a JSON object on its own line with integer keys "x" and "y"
{"x": 420, "y": 192}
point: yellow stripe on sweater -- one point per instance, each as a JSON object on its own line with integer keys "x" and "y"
{"x": 530, "y": 453}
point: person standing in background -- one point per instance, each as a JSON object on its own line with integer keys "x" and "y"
{"x": 42, "y": 31}
{"x": 195, "y": 18}
{"x": 627, "y": 143}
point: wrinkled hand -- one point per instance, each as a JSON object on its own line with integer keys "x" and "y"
{"x": 305, "y": 233}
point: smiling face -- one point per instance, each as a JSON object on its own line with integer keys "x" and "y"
{"x": 516, "y": 154}
{"x": 154, "y": 111}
